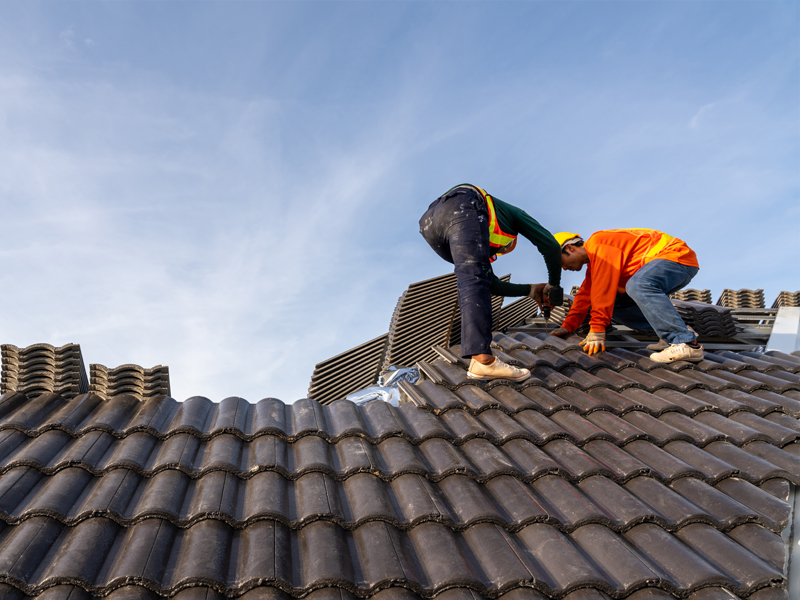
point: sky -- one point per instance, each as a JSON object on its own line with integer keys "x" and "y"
{"x": 233, "y": 189}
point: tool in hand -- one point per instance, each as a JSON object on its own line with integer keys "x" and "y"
{"x": 554, "y": 298}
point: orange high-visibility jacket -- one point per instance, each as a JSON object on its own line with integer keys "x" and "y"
{"x": 614, "y": 256}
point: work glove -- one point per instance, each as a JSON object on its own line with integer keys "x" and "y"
{"x": 540, "y": 291}
{"x": 595, "y": 342}
{"x": 560, "y": 332}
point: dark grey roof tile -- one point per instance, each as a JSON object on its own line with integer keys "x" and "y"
{"x": 463, "y": 425}
{"x": 769, "y": 547}
{"x": 488, "y": 460}
{"x": 421, "y": 424}
{"x": 699, "y": 433}
{"x": 567, "y": 503}
{"x": 620, "y": 463}
{"x": 724, "y": 509}
{"x": 550, "y": 378}
{"x": 546, "y": 399}
{"x": 729, "y": 360}
{"x": 779, "y": 488}
{"x": 678, "y": 567}
{"x": 621, "y": 431}
{"x": 618, "y": 402}
{"x": 573, "y": 460}
{"x": 621, "y": 564}
{"x": 579, "y": 429}
{"x": 556, "y": 562}
{"x": 664, "y": 465}
{"x": 743, "y": 382}
{"x": 619, "y": 381}
{"x": 668, "y": 508}
{"x": 381, "y": 419}
{"x": 689, "y": 403}
{"x": 776, "y": 382}
{"x": 637, "y": 399}
{"x": 541, "y": 429}
{"x": 712, "y": 467}
{"x": 751, "y": 467}
{"x": 715, "y": 382}
{"x": 746, "y": 570}
{"x": 583, "y": 379}
{"x": 775, "y": 511}
{"x": 659, "y": 430}
{"x": 476, "y": 399}
{"x": 779, "y": 428}
{"x": 727, "y": 402}
{"x": 785, "y": 458}
{"x": 532, "y": 461}
{"x": 786, "y": 362}
{"x": 508, "y": 397}
{"x": 501, "y": 426}
{"x": 733, "y": 431}
{"x": 578, "y": 400}
{"x": 622, "y": 507}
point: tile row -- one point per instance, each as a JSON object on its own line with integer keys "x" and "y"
{"x": 454, "y": 375}
{"x": 428, "y": 559}
{"x": 73, "y": 495}
{"x": 264, "y": 592}
{"x": 376, "y": 421}
{"x": 436, "y": 458}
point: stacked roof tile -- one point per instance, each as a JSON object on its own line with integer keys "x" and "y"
{"x": 787, "y": 299}
{"x": 691, "y": 295}
{"x": 741, "y": 298}
{"x": 129, "y": 379}
{"x": 601, "y": 477}
{"x": 426, "y": 314}
{"x": 354, "y": 369}
{"x": 708, "y": 320}
{"x": 42, "y": 368}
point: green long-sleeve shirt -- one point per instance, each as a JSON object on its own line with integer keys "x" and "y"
{"x": 516, "y": 221}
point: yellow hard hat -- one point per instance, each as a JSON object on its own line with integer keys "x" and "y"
{"x": 565, "y": 237}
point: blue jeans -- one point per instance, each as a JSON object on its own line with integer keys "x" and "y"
{"x": 456, "y": 226}
{"x": 647, "y": 306}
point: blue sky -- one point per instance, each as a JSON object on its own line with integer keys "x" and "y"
{"x": 233, "y": 188}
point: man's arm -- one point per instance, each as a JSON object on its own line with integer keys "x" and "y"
{"x": 580, "y": 305}
{"x": 606, "y": 265}
{"x": 506, "y": 288}
{"x": 516, "y": 220}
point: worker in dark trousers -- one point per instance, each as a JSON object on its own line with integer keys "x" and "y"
{"x": 469, "y": 228}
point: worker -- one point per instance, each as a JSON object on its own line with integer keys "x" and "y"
{"x": 470, "y": 229}
{"x": 630, "y": 275}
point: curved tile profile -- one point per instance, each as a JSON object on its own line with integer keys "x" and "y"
{"x": 426, "y": 559}
{"x": 602, "y": 477}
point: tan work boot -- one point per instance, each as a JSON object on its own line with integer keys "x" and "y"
{"x": 497, "y": 370}
{"x": 664, "y": 344}
{"x": 659, "y": 346}
{"x": 678, "y": 352}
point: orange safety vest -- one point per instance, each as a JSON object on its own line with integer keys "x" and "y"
{"x": 500, "y": 241}
{"x": 657, "y": 244}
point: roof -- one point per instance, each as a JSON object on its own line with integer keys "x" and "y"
{"x": 609, "y": 476}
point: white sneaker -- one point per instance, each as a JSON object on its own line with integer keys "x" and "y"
{"x": 497, "y": 370}
{"x": 678, "y": 352}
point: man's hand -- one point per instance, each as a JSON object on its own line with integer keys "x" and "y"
{"x": 560, "y": 332}
{"x": 595, "y": 342}
{"x": 540, "y": 292}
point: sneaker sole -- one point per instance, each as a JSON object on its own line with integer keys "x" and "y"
{"x": 490, "y": 377}
{"x": 667, "y": 362}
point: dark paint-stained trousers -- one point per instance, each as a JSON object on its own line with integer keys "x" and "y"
{"x": 456, "y": 226}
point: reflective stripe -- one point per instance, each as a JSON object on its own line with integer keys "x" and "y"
{"x": 658, "y": 247}
{"x": 498, "y": 239}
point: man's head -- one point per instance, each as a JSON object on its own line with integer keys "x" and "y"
{"x": 573, "y": 254}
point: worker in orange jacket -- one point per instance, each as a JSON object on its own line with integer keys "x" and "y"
{"x": 630, "y": 274}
